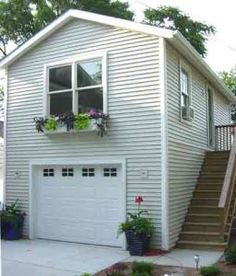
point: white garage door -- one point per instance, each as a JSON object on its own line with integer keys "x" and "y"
{"x": 79, "y": 203}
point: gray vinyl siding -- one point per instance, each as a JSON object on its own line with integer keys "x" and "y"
{"x": 133, "y": 106}
{"x": 187, "y": 142}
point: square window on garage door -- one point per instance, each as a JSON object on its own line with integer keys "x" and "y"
{"x": 48, "y": 172}
{"x": 88, "y": 172}
{"x": 110, "y": 172}
{"x": 67, "y": 172}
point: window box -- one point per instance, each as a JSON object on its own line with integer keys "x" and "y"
{"x": 71, "y": 123}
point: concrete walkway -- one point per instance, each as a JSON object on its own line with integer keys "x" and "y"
{"x": 52, "y": 258}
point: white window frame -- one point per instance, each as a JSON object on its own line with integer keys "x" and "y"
{"x": 185, "y": 67}
{"x": 73, "y": 61}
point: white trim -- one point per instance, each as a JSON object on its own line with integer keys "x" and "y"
{"x": 164, "y": 150}
{"x": 5, "y": 137}
{"x": 67, "y": 162}
{"x": 73, "y": 61}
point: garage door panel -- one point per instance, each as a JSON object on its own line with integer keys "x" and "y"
{"x": 79, "y": 208}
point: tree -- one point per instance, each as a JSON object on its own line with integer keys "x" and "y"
{"x": 229, "y": 78}
{"x": 21, "y": 19}
{"x": 174, "y": 19}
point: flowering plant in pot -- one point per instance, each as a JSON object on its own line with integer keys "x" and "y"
{"x": 138, "y": 230}
{"x": 12, "y": 220}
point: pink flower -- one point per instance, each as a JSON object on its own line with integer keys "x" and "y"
{"x": 138, "y": 199}
{"x": 92, "y": 112}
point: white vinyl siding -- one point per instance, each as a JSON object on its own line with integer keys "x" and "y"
{"x": 133, "y": 106}
{"x": 187, "y": 143}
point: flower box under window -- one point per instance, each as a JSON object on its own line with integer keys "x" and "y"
{"x": 71, "y": 123}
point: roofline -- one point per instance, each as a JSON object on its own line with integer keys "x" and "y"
{"x": 182, "y": 44}
{"x": 70, "y": 14}
{"x": 174, "y": 37}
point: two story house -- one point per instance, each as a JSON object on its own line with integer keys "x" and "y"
{"x": 163, "y": 102}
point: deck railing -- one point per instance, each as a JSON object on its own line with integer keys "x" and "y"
{"x": 227, "y": 201}
{"x": 224, "y": 136}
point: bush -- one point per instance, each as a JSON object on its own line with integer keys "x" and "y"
{"x": 230, "y": 254}
{"x": 142, "y": 269}
{"x": 210, "y": 271}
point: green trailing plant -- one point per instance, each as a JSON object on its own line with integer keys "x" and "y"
{"x": 82, "y": 121}
{"x": 230, "y": 254}
{"x": 86, "y": 274}
{"x": 51, "y": 124}
{"x": 142, "y": 268}
{"x": 210, "y": 271}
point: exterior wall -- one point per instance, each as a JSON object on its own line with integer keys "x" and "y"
{"x": 187, "y": 141}
{"x": 133, "y": 105}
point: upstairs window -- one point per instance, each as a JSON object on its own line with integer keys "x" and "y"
{"x": 185, "y": 91}
{"x": 76, "y": 87}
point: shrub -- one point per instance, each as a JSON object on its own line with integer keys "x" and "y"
{"x": 142, "y": 268}
{"x": 210, "y": 271}
{"x": 230, "y": 254}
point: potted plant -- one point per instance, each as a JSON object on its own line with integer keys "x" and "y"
{"x": 12, "y": 220}
{"x": 138, "y": 230}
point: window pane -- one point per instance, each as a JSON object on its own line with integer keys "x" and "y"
{"x": 60, "y": 78}
{"x": 90, "y": 99}
{"x": 184, "y": 81}
{"x": 89, "y": 73}
{"x": 60, "y": 103}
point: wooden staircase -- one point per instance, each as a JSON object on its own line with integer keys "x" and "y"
{"x": 209, "y": 217}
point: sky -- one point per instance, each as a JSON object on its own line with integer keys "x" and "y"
{"x": 221, "y": 14}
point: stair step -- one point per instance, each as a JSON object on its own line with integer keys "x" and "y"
{"x": 200, "y": 236}
{"x": 213, "y": 154}
{"x": 204, "y": 209}
{"x": 201, "y": 226}
{"x": 205, "y": 201}
{"x": 206, "y": 194}
{"x": 214, "y": 168}
{"x": 209, "y": 187}
{"x": 201, "y": 245}
{"x": 200, "y": 217}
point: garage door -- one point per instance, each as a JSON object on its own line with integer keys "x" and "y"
{"x": 79, "y": 204}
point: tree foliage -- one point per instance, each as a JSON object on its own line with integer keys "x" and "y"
{"x": 174, "y": 19}
{"x": 229, "y": 78}
{"x": 20, "y": 19}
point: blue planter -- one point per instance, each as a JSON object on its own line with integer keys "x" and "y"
{"x": 12, "y": 227}
{"x": 137, "y": 244}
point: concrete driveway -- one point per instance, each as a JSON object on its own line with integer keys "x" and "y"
{"x": 52, "y": 258}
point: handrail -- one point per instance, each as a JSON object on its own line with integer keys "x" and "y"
{"x": 228, "y": 174}
{"x": 227, "y": 189}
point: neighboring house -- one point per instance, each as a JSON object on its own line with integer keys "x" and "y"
{"x": 163, "y": 101}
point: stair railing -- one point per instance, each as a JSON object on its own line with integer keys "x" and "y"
{"x": 224, "y": 137}
{"x": 228, "y": 188}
